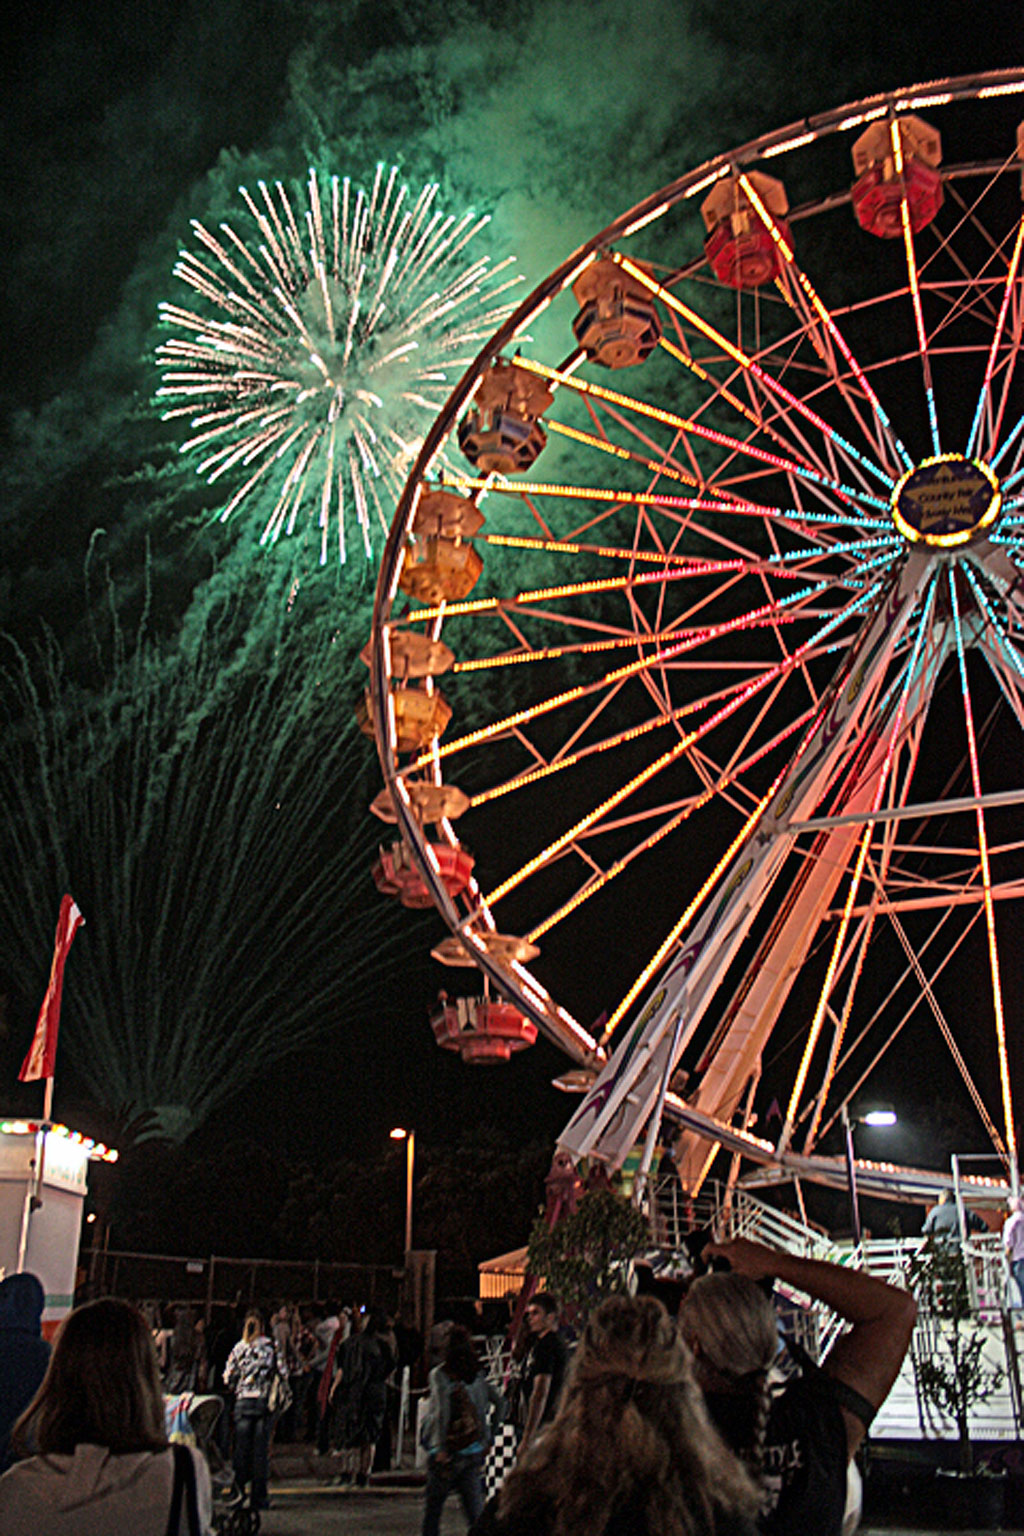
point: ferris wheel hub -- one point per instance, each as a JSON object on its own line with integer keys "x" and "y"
{"x": 946, "y": 501}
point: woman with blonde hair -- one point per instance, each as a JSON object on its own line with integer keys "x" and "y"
{"x": 799, "y": 1431}
{"x": 631, "y": 1450}
{"x": 104, "y": 1465}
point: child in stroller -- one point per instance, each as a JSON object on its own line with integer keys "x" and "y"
{"x": 191, "y": 1418}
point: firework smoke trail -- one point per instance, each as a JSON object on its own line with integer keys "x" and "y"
{"x": 205, "y": 809}
{"x": 324, "y": 345}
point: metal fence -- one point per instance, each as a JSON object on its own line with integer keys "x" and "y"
{"x": 203, "y": 1282}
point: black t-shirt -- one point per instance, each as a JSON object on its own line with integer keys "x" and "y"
{"x": 548, "y": 1356}
{"x": 805, "y": 1452}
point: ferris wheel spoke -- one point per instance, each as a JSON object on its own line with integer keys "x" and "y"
{"x": 914, "y": 968}
{"x": 858, "y": 499}
{"x": 997, "y": 645}
{"x": 715, "y": 787}
{"x": 781, "y": 400}
{"x": 878, "y": 870}
{"x": 986, "y": 877}
{"x": 1014, "y": 440}
{"x": 771, "y": 386}
{"x": 983, "y": 413}
{"x": 546, "y": 768}
{"x": 756, "y": 618}
{"x": 914, "y": 285}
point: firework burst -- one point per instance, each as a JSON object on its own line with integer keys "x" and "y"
{"x": 322, "y": 343}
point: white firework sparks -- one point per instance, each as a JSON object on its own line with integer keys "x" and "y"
{"x": 325, "y": 343}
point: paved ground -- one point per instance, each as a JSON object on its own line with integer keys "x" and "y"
{"x": 297, "y": 1513}
{"x": 349, "y": 1512}
{"x": 307, "y": 1511}
{"x": 304, "y": 1503}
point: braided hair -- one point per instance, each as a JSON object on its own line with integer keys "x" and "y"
{"x": 730, "y": 1324}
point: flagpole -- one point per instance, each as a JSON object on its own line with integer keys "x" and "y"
{"x": 34, "y": 1190}
{"x": 39, "y": 1063}
{"x": 46, "y": 1127}
{"x": 26, "y": 1214}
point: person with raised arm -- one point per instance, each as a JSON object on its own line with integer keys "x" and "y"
{"x": 795, "y": 1424}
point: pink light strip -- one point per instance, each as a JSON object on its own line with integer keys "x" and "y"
{"x": 986, "y": 883}
{"x": 896, "y": 139}
{"x": 986, "y": 383}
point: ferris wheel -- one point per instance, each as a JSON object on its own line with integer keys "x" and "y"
{"x": 697, "y": 668}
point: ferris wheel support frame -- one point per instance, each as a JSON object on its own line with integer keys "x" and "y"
{"x": 620, "y": 1102}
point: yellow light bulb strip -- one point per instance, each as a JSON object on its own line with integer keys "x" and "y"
{"x": 986, "y": 884}
{"x": 617, "y": 451}
{"x": 990, "y": 367}
{"x": 712, "y": 791}
{"x": 598, "y": 882}
{"x": 734, "y": 505}
{"x": 896, "y": 140}
{"x": 721, "y": 391}
{"x": 608, "y": 552}
{"x": 685, "y": 643}
{"x": 691, "y": 428}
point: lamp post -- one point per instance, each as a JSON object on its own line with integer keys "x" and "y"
{"x": 870, "y": 1117}
{"x": 409, "y": 1137}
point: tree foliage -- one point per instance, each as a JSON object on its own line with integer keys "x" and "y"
{"x": 587, "y": 1255}
{"x": 954, "y": 1377}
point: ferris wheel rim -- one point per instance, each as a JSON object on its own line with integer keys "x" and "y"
{"x": 584, "y": 1049}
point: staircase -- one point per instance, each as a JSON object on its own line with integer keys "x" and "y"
{"x": 904, "y": 1415}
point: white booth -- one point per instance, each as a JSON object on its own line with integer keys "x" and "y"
{"x": 48, "y": 1231}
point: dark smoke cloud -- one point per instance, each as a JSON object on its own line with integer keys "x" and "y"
{"x": 125, "y": 119}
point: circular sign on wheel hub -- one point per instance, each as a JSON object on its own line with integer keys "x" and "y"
{"x": 946, "y": 501}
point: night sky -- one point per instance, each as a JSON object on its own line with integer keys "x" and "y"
{"x": 123, "y": 121}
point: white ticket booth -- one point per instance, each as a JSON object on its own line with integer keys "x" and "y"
{"x": 48, "y": 1232}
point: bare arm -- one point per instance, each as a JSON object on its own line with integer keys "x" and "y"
{"x": 868, "y": 1357}
{"x": 535, "y": 1409}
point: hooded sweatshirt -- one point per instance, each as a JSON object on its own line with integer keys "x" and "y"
{"x": 24, "y": 1354}
{"x": 93, "y": 1493}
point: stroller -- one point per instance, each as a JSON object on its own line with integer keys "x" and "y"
{"x": 191, "y": 1418}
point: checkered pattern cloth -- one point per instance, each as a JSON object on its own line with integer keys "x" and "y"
{"x": 500, "y": 1459}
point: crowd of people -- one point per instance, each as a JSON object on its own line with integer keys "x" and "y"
{"x": 85, "y": 1430}
{"x": 708, "y": 1422}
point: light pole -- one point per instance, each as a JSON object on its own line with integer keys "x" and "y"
{"x": 870, "y": 1117}
{"x": 409, "y": 1137}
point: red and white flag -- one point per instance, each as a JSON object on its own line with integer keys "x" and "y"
{"x": 42, "y": 1054}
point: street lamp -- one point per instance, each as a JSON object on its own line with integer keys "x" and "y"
{"x": 409, "y": 1137}
{"x": 880, "y": 1116}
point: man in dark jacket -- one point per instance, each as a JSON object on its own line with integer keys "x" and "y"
{"x": 24, "y": 1354}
